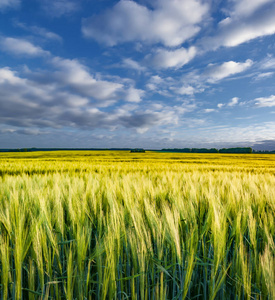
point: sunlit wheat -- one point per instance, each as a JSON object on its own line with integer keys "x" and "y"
{"x": 118, "y": 225}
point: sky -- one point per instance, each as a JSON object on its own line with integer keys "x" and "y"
{"x": 147, "y": 73}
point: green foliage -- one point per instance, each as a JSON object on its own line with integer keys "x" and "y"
{"x": 137, "y": 151}
{"x": 204, "y": 150}
{"x": 236, "y": 150}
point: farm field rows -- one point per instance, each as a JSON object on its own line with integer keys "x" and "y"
{"x": 120, "y": 225}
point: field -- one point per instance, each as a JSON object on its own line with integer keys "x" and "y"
{"x": 120, "y": 225}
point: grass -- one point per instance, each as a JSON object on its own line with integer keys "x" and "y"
{"x": 119, "y": 225}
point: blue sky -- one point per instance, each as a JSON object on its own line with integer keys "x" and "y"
{"x": 147, "y": 73}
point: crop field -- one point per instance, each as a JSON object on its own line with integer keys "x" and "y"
{"x": 120, "y": 225}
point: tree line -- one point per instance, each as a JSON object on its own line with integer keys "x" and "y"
{"x": 178, "y": 150}
{"x": 212, "y": 150}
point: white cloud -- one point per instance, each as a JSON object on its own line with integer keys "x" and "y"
{"x": 7, "y": 130}
{"x": 156, "y": 79}
{"x": 246, "y": 7}
{"x": 58, "y": 8}
{"x": 28, "y": 103}
{"x": 186, "y": 90}
{"x": 218, "y": 72}
{"x": 17, "y": 95}
{"x": 134, "y": 95}
{"x": 76, "y": 75}
{"x": 268, "y": 63}
{"x": 246, "y": 32}
{"x": 236, "y": 135}
{"x": 265, "y": 101}
{"x": 39, "y": 31}
{"x": 209, "y": 110}
{"x": 169, "y": 22}
{"x": 189, "y": 84}
{"x": 6, "y": 75}
{"x": 68, "y": 96}
{"x": 245, "y": 24}
{"x": 132, "y": 64}
{"x": 151, "y": 86}
{"x": 30, "y": 106}
{"x": 21, "y": 47}
{"x": 154, "y": 82}
{"x": 45, "y": 33}
{"x": 264, "y": 75}
{"x": 5, "y": 4}
{"x": 171, "y": 58}
{"x": 234, "y": 101}
{"x": 196, "y": 81}
{"x": 17, "y": 92}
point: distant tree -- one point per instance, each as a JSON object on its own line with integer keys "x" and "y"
{"x": 236, "y": 150}
{"x": 137, "y": 150}
{"x": 204, "y": 150}
{"x": 177, "y": 150}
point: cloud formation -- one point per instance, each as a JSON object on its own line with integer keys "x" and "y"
{"x": 132, "y": 64}
{"x": 245, "y": 23}
{"x": 265, "y": 101}
{"x": 198, "y": 81}
{"x": 268, "y": 63}
{"x": 168, "y": 22}
{"x": 33, "y": 102}
{"x": 39, "y": 31}
{"x": 59, "y": 8}
{"x": 75, "y": 75}
{"x": 265, "y": 144}
{"x": 226, "y": 69}
{"x": 164, "y": 59}
{"x": 163, "y": 69}
{"x": 244, "y": 8}
{"x": 134, "y": 95}
{"x": 21, "y": 47}
{"x": 186, "y": 90}
{"x": 6, "y": 4}
{"x": 234, "y": 101}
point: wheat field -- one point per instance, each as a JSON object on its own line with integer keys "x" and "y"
{"x": 120, "y": 225}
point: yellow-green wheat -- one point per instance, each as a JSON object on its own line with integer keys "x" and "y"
{"x": 119, "y": 225}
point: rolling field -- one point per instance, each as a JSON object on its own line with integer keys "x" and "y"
{"x": 120, "y": 225}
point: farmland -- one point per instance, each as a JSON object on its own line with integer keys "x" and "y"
{"x": 120, "y": 225}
